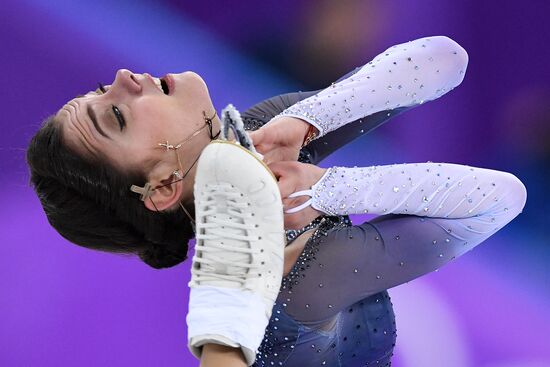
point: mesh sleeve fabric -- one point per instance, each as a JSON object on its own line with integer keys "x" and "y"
{"x": 404, "y": 75}
{"x": 320, "y": 148}
{"x": 466, "y": 205}
{"x": 261, "y": 113}
{"x": 446, "y": 190}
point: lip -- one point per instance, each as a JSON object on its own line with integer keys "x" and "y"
{"x": 169, "y": 79}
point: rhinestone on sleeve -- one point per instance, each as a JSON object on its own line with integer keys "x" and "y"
{"x": 404, "y": 75}
{"x": 445, "y": 190}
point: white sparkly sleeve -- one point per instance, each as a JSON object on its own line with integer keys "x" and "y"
{"x": 445, "y": 190}
{"x": 432, "y": 213}
{"x": 404, "y": 75}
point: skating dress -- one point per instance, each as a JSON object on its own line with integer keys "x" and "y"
{"x": 333, "y": 308}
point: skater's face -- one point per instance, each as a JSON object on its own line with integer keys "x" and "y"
{"x": 125, "y": 124}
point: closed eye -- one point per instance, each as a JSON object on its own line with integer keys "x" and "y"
{"x": 119, "y": 117}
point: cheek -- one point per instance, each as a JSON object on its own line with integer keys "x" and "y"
{"x": 130, "y": 155}
{"x": 156, "y": 119}
{"x": 150, "y": 110}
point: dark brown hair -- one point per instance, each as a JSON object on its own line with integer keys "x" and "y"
{"x": 89, "y": 203}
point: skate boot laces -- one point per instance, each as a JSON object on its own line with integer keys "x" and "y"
{"x": 224, "y": 236}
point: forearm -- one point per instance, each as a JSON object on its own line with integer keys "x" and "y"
{"x": 430, "y": 214}
{"x": 444, "y": 190}
{"x": 261, "y": 113}
{"x": 404, "y": 75}
{"x": 214, "y": 355}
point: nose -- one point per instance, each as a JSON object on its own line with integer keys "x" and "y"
{"x": 125, "y": 81}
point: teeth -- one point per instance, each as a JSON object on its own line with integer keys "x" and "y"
{"x": 157, "y": 82}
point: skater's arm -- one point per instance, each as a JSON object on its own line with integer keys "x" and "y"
{"x": 439, "y": 190}
{"x": 404, "y": 75}
{"x": 258, "y": 115}
{"x": 431, "y": 213}
{"x": 444, "y": 190}
{"x": 214, "y": 355}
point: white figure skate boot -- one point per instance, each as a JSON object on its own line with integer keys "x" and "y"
{"x": 238, "y": 262}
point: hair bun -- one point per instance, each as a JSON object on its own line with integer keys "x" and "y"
{"x": 159, "y": 256}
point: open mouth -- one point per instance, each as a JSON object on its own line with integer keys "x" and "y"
{"x": 167, "y": 84}
{"x": 164, "y": 84}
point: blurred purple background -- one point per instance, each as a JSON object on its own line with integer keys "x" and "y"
{"x": 62, "y": 305}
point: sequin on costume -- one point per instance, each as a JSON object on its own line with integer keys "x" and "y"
{"x": 335, "y": 299}
{"x": 362, "y": 334}
{"x": 404, "y": 75}
{"x": 333, "y": 308}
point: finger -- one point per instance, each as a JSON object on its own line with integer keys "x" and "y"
{"x": 286, "y": 186}
{"x": 257, "y": 137}
{"x": 280, "y": 168}
{"x": 271, "y": 157}
{"x": 290, "y": 203}
{"x": 261, "y": 149}
{"x": 287, "y": 203}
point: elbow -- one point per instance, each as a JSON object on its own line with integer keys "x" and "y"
{"x": 521, "y": 193}
{"x": 453, "y": 57}
{"x": 448, "y": 44}
{"x": 517, "y": 194}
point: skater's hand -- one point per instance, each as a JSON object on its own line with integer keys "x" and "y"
{"x": 280, "y": 140}
{"x": 292, "y": 177}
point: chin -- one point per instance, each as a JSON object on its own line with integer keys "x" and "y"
{"x": 190, "y": 77}
{"x": 191, "y": 82}
{"x": 192, "y": 86}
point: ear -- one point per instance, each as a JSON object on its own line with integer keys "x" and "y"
{"x": 166, "y": 194}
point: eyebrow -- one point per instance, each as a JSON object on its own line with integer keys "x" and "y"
{"x": 93, "y": 117}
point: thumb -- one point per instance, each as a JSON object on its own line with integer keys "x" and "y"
{"x": 257, "y": 137}
{"x": 286, "y": 181}
{"x": 280, "y": 168}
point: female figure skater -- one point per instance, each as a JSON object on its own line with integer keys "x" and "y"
{"x": 333, "y": 307}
